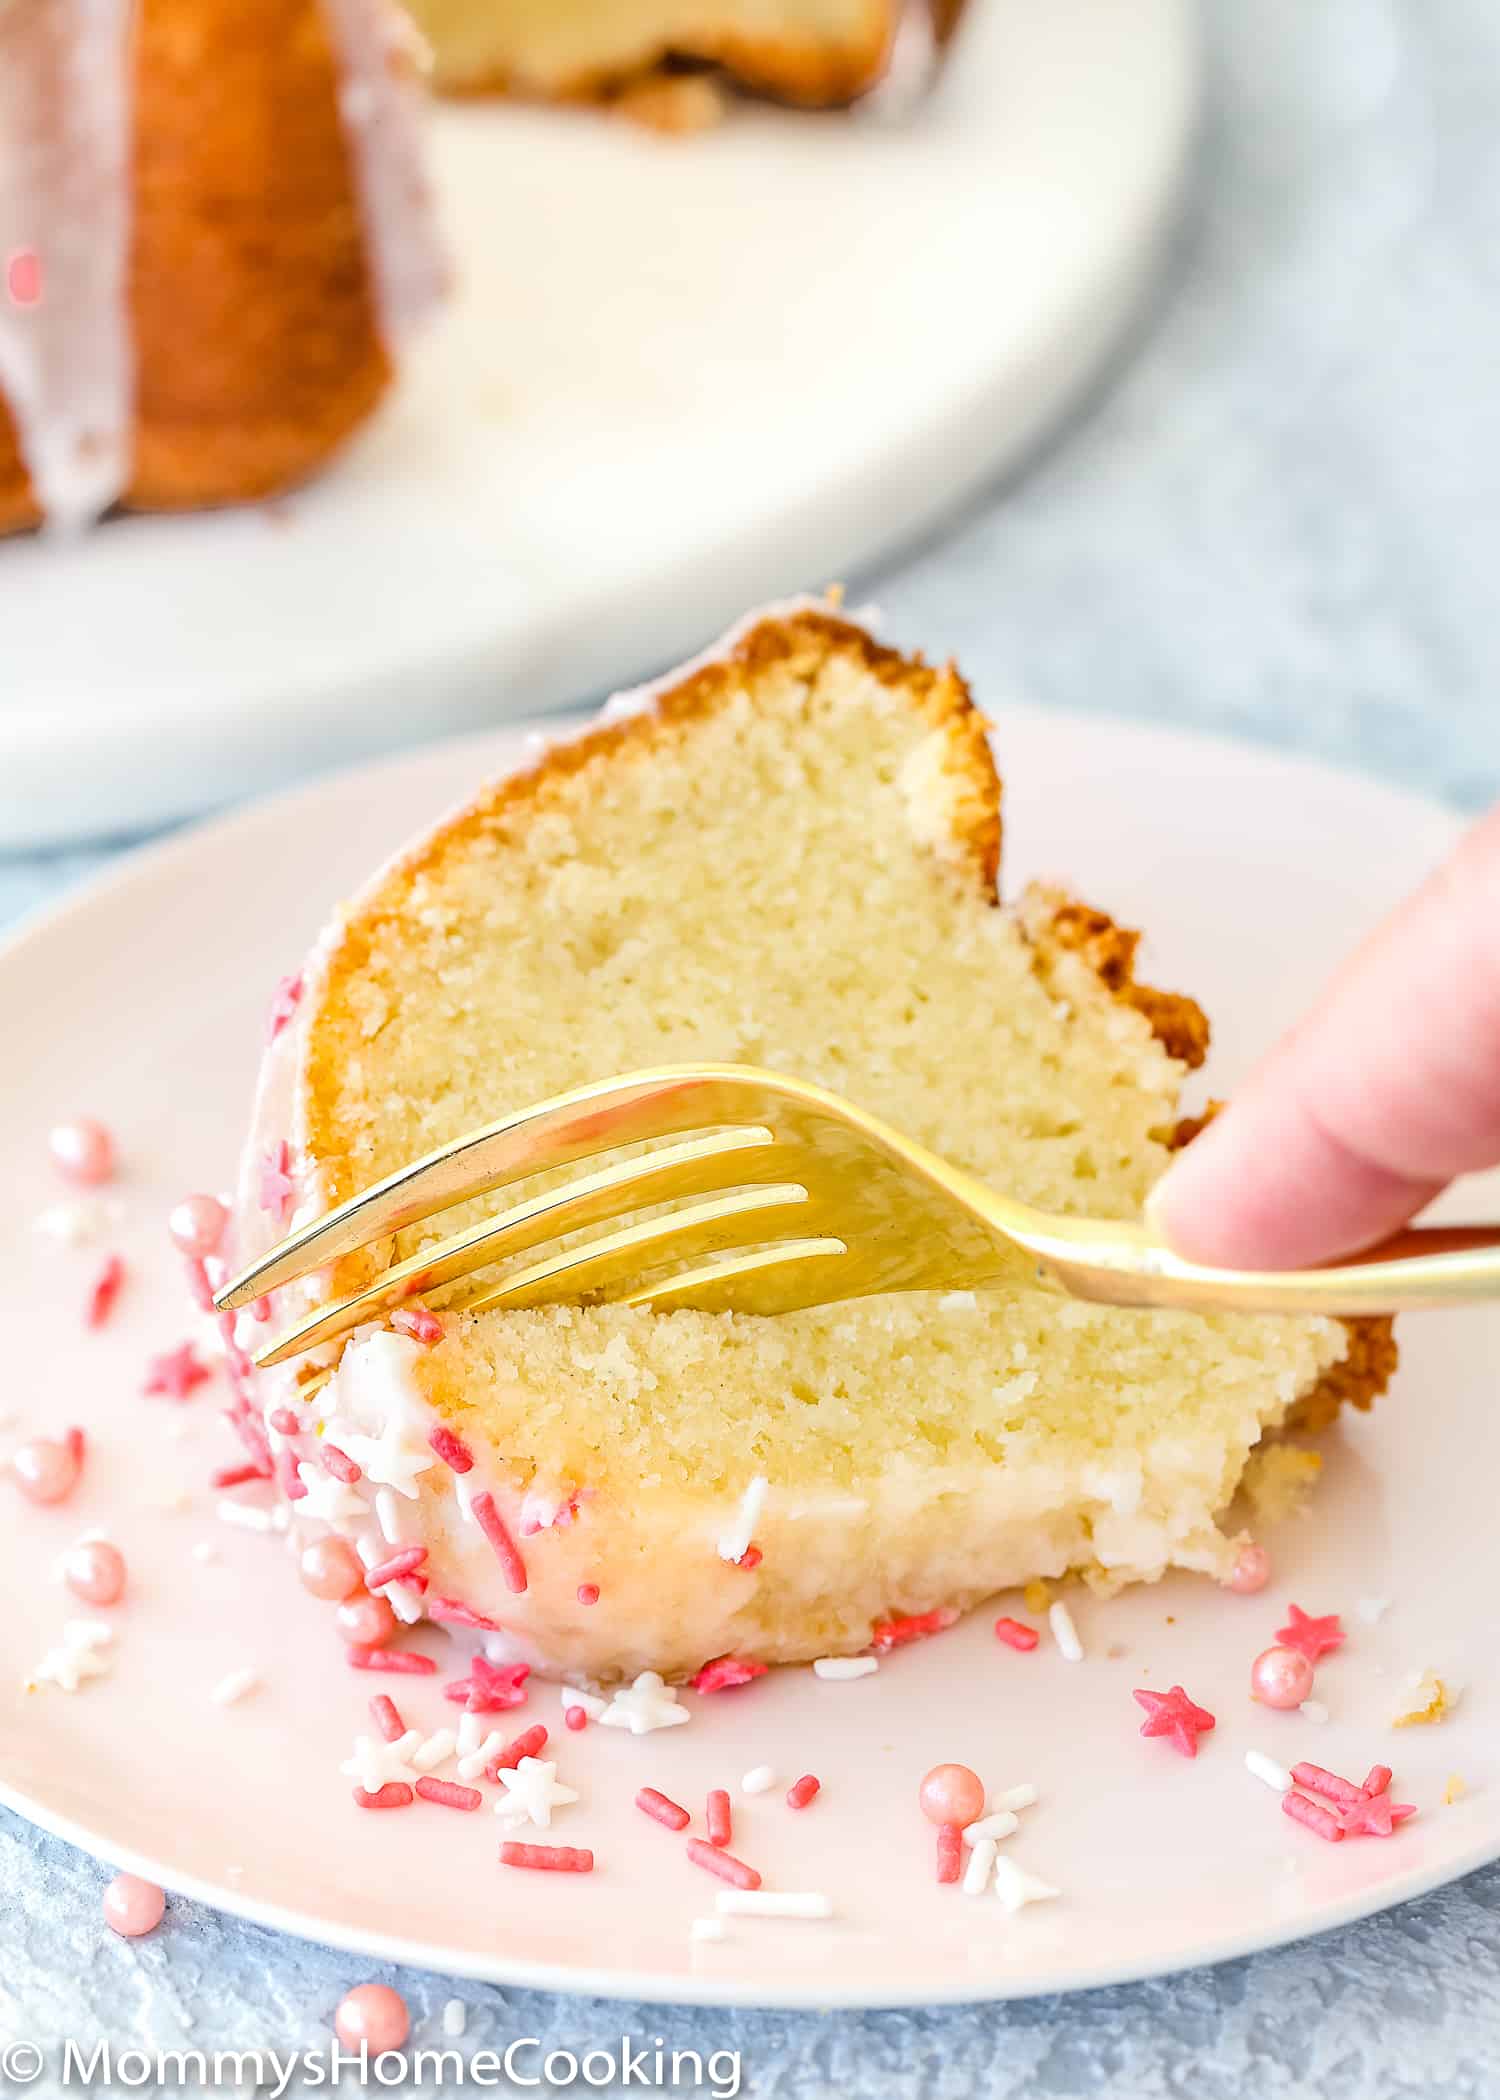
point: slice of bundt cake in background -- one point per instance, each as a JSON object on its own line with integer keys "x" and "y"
{"x": 813, "y": 52}
{"x": 215, "y": 226}
{"x": 787, "y": 857}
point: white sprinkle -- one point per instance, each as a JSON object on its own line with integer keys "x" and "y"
{"x": 736, "y": 1541}
{"x": 234, "y": 1686}
{"x": 470, "y": 1734}
{"x": 388, "y": 1516}
{"x": 773, "y": 1903}
{"x": 465, "y": 1488}
{"x": 980, "y": 1867}
{"x": 1065, "y": 1633}
{"x": 758, "y": 1780}
{"x": 1003, "y": 1823}
{"x": 838, "y": 1668}
{"x": 245, "y": 1516}
{"x": 1266, "y": 1769}
{"x": 205, "y": 1551}
{"x": 706, "y": 1929}
{"x": 80, "y": 1220}
{"x": 1313, "y": 1710}
{"x": 957, "y": 1301}
{"x": 472, "y": 1767}
{"x": 1373, "y": 1609}
{"x": 1016, "y": 1888}
{"x": 1014, "y": 1797}
{"x": 455, "y": 2018}
{"x": 404, "y": 1601}
{"x": 591, "y": 1703}
{"x": 433, "y": 1751}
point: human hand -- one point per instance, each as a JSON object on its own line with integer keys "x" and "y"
{"x": 1384, "y": 1093}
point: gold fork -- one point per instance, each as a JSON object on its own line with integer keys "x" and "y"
{"x": 773, "y": 1194}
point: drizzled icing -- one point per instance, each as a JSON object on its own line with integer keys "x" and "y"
{"x": 66, "y": 364}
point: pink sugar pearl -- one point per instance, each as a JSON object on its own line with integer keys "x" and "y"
{"x": 1281, "y": 1677}
{"x": 95, "y": 1572}
{"x": 366, "y": 1622}
{"x": 330, "y": 1569}
{"x": 1251, "y": 1570}
{"x": 374, "y": 2014}
{"x": 197, "y": 1225}
{"x": 133, "y": 1907}
{"x": 83, "y": 1150}
{"x": 45, "y": 1471}
{"x": 952, "y": 1794}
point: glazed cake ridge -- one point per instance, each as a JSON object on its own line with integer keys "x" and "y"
{"x": 642, "y": 896}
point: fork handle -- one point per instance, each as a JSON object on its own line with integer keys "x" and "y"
{"x": 1420, "y": 1268}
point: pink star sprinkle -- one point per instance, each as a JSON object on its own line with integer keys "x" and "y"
{"x": 726, "y": 1672}
{"x": 1174, "y": 1715}
{"x": 177, "y": 1374}
{"x": 23, "y": 277}
{"x": 1373, "y": 1815}
{"x": 287, "y": 999}
{"x": 276, "y": 1185}
{"x": 1313, "y": 1638}
{"x": 489, "y": 1688}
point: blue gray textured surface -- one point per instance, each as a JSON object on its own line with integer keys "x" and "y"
{"x": 1274, "y": 523}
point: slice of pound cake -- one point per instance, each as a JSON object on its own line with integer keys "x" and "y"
{"x": 788, "y": 857}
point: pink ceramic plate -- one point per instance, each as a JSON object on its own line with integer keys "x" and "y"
{"x": 143, "y": 1002}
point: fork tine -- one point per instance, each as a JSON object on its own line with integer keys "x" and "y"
{"x": 785, "y": 1277}
{"x": 727, "y": 1159}
{"x": 568, "y": 1127}
{"x": 572, "y": 1273}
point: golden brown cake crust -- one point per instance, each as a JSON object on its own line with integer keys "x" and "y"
{"x": 255, "y": 340}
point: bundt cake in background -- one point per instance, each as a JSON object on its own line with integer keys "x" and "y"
{"x": 813, "y": 52}
{"x": 214, "y": 239}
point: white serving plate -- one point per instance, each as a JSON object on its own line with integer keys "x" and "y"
{"x": 678, "y": 377}
{"x": 142, "y": 1001}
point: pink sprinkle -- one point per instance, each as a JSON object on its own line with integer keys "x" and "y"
{"x": 285, "y": 1421}
{"x": 1342, "y": 1792}
{"x": 394, "y": 1794}
{"x": 1311, "y": 1637}
{"x": 750, "y": 1558}
{"x": 726, "y": 1672}
{"x": 288, "y": 1479}
{"x": 284, "y": 1004}
{"x": 447, "y": 1793}
{"x": 490, "y": 1522}
{"x": 588, "y": 1593}
{"x": 1016, "y": 1634}
{"x": 452, "y": 1450}
{"x": 804, "y": 1791}
{"x": 547, "y": 1859}
{"x": 1312, "y": 1816}
{"x": 392, "y": 1570}
{"x": 199, "y": 1287}
{"x": 949, "y": 1851}
{"x": 575, "y": 1720}
{"x": 397, "y": 1661}
{"x": 386, "y": 1715}
{"x": 23, "y": 283}
{"x": 372, "y": 2017}
{"x": 236, "y": 1476}
{"x": 95, "y": 1572}
{"x": 177, "y": 1374}
{"x": 415, "y": 1320}
{"x": 44, "y": 1471}
{"x": 719, "y": 1817}
{"x": 76, "y": 1445}
{"x": 1377, "y": 1779}
{"x": 722, "y": 1864}
{"x": 277, "y": 1187}
{"x": 1373, "y": 1815}
{"x": 661, "y": 1810}
{"x": 895, "y": 1633}
{"x": 339, "y": 1464}
{"x": 452, "y": 1611}
{"x": 489, "y": 1688}
{"x": 260, "y": 1308}
{"x": 531, "y": 1742}
{"x": 133, "y": 1907}
{"x": 1173, "y": 1715}
{"x": 106, "y": 1289}
{"x": 197, "y": 1225}
{"x": 83, "y": 1150}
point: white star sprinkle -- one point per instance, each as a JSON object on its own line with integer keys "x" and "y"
{"x": 327, "y": 1500}
{"x": 645, "y": 1705}
{"x": 77, "y": 1657}
{"x": 1016, "y": 1888}
{"x": 393, "y": 1459}
{"x": 532, "y": 1792}
{"x": 375, "y": 1763}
